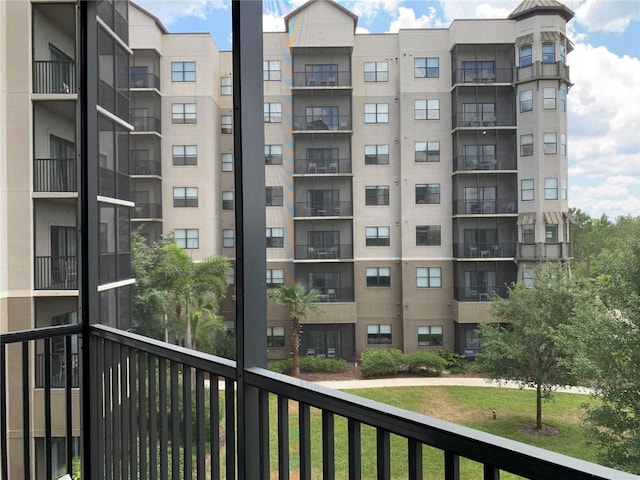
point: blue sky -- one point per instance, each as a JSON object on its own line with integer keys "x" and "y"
{"x": 603, "y": 104}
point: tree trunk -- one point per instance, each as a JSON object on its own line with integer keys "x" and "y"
{"x": 538, "y": 407}
{"x": 295, "y": 338}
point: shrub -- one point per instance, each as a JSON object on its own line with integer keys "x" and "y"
{"x": 455, "y": 362}
{"x": 320, "y": 364}
{"x": 426, "y": 364}
{"x": 280, "y": 366}
{"x": 381, "y": 363}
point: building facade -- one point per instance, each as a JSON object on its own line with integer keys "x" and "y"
{"x": 410, "y": 177}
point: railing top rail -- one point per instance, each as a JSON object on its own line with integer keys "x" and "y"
{"x": 39, "y": 333}
{"x": 509, "y": 455}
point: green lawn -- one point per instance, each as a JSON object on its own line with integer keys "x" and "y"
{"x": 470, "y": 406}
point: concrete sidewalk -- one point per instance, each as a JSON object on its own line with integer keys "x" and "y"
{"x": 431, "y": 381}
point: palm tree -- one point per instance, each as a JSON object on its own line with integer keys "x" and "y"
{"x": 300, "y": 302}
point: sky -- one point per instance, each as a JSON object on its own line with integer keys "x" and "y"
{"x": 603, "y": 105}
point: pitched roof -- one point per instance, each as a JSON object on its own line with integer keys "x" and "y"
{"x": 295, "y": 12}
{"x": 532, "y": 7}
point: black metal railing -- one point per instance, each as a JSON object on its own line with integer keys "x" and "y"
{"x": 324, "y": 251}
{"x": 322, "y": 166}
{"x": 537, "y": 70}
{"x": 484, "y": 162}
{"x": 322, "y": 79}
{"x": 144, "y": 80}
{"x": 54, "y": 77}
{"x": 484, "y": 250}
{"x": 325, "y": 123}
{"x": 147, "y": 210}
{"x": 145, "y": 167}
{"x": 473, "y": 293}
{"x": 484, "y": 119}
{"x": 544, "y": 251}
{"x": 327, "y": 209}
{"x": 142, "y": 123}
{"x": 335, "y": 294}
{"x": 57, "y": 370}
{"x": 56, "y": 273}
{"x": 54, "y": 175}
{"x": 162, "y": 411}
{"x": 485, "y": 207}
{"x": 480, "y": 75}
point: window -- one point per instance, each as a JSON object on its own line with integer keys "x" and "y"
{"x": 378, "y": 277}
{"x": 426, "y": 67}
{"x": 376, "y": 154}
{"x": 378, "y": 195}
{"x": 376, "y": 113}
{"x": 273, "y": 154}
{"x": 377, "y": 236}
{"x": 183, "y": 113}
{"x": 183, "y": 71}
{"x": 376, "y": 72}
{"x": 426, "y": 109}
{"x": 526, "y": 101}
{"x": 271, "y": 70}
{"x": 272, "y": 113}
{"x": 226, "y": 124}
{"x": 550, "y": 146}
{"x": 184, "y": 154}
{"x": 429, "y": 336}
{"x": 563, "y": 100}
{"x": 548, "y": 52}
{"x": 275, "y": 336}
{"x": 275, "y": 277}
{"x": 185, "y": 196}
{"x": 550, "y": 188}
{"x": 549, "y": 98}
{"x": 563, "y": 144}
{"x": 563, "y": 188}
{"x": 427, "y": 151}
{"x": 428, "y": 235}
{"x": 525, "y": 56}
{"x": 428, "y": 277}
{"x": 231, "y": 276}
{"x": 479, "y": 157}
{"x": 527, "y": 189}
{"x": 478, "y": 71}
{"x": 551, "y": 233}
{"x": 528, "y": 234}
{"x": 187, "y": 237}
{"x": 379, "y": 334}
{"x": 563, "y": 52}
{"x": 228, "y": 238}
{"x": 428, "y": 193}
{"x": 226, "y": 85}
{"x": 275, "y": 237}
{"x": 226, "y": 160}
{"x": 526, "y": 145}
{"x": 529, "y": 277}
{"x": 227, "y": 201}
{"x": 274, "y": 196}
{"x": 321, "y": 74}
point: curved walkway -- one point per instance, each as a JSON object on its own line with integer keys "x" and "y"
{"x": 432, "y": 381}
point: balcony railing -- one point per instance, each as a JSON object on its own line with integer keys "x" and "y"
{"x": 156, "y": 413}
{"x": 54, "y": 175}
{"x": 145, "y": 167}
{"x": 484, "y": 250}
{"x": 323, "y": 166}
{"x": 483, "y": 162}
{"x": 485, "y": 207}
{"x": 544, "y": 251}
{"x": 57, "y": 370}
{"x": 54, "y": 77}
{"x": 147, "y": 210}
{"x": 145, "y": 123}
{"x": 149, "y": 80}
{"x": 480, "y": 75}
{"x": 540, "y": 70}
{"x": 471, "y": 293}
{"x": 327, "y": 123}
{"x": 328, "y": 209}
{"x": 56, "y": 273}
{"x": 323, "y": 252}
{"x": 333, "y": 79}
{"x": 484, "y": 119}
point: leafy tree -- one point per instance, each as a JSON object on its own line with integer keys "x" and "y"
{"x": 187, "y": 281}
{"x": 523, "y": 347}
{"x": 300, "y": 302}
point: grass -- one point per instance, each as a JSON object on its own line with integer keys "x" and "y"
{"x": 470, "y": 406}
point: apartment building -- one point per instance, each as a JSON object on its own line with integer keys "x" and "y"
{"x": 53, "y": 132}
{"x": 410, "y": 177}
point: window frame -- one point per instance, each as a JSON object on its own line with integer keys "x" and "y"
{"x": 427, "y": 198}
{"x": 428, "y": 235}
{"x": 379, "y": 156}
{"x": 184, "y": 158}
{"x": 183, "y": 74}
{"x": 563, "y": 189}
{"x": 274, "y": 196}
{"x": 186, "y": 242}
{"x": 379, "y": 75}
{"x": 275, "y": 340}
{"x": 275, "y": 281}
{"x": 379, "y": 239}
{"x": 226, "y": 124}
{"x": 551, "y": 233}
{"x": 526, "y": 104}
{"x": 431, "y": 109}
{"x": 428, "y": 277}
{"x": 428, "y": 335}
{"x": 226, "y": 85}
{"x": 548, "y": 54}
{"x": 272, "y": 112}
{"x": 378, "y": 277}
{"x": 381, "y": 195}
{"x": 551, "y": 188}
{"x": 378, "y": 115}
{"x": 270, "y": 74}
{"x": 185, "y": 116}
{"x": 226, "y": 162}
{"x": 426, "y": 71}
{"x": 269, "y": 156}
{"x": 530, "y": 190}
{"x": 273, "y": 239}
{"x": 549, "y": 101}
{"x": 526, "y": 148}
{"x": 228, "y": 238}
{"x": 528, "y": 232}
{"x": 381, "y": 337}
{"x": 550, "y": 147}
{"x": 428, "y": 154}
{"x": 184, "y": 197}
{"x": 228, "y": 200}
{"x": 525, "y": 55}
{"x": 563, "y": 144}
{"x": 563, "y": 100}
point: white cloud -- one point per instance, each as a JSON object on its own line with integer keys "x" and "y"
{"x": 168, "y": 11}
{"x": 272, "y": 22}
{"x": 608, "y": 15}
{"x": 612, "y": 196}
{"x": 371, "y": 8}
{"x": 407, "y": 19}
{"x": 456, "y": 9}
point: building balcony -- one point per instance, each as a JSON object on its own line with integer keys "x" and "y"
{"x": 322, "y": 79}
{"x": 482, "y": 75}
{"x": 328, "y": 124}
{"x": 51, "y": 77}
{"x": 144, "y": 80}
{"x": 145, "y": 168}
{"x": 490, "y": 250}
{"x": 507, "y": 205}
{"x": 328, "y": 209}
{"x": 54, "y": 175}
{"x": 147, "y": 211}
{"x": 335, "y": 294}
{"x": 57, "y": 370}
{"x": 332, "y": 166}
{"x": 56, "y": 273}
{"x": 324, "y": 251}
{"x": 542, "y": 71}
{"x": 476, "y": 293}
{"x": 484, "y": 119}
{"x": 186, "y": 437}
{"x": 146, "y": 123}
{"x": 484, "y": 163}
{"x": 544, "y": 251}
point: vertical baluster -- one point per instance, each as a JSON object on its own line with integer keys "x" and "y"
{"x": 125, "y": 395}
{"x": 47, "y": 409}
{"x": 142, "y": 408}
{"x": 133, "y": 413}
{"x": 116, "y": 410}
{"x": 175, "y": 423}
{"x": 186, "y": 414}
{"x": 153, "y": 418}
{"x": 328, "y": 445}
{"x": 214, "y": 426}
{"x": 263, "y": 418}
{"x": 355, "y": 450}
{"x": 68, "y": 372}
{"x": 304, "y": 419}
{"x": 283, "y": 438}
{"x": 164, "y": 420}
{"x": 451, "y": 466}
{"x": 415, "y": 459}
{"x": 4, "y": 466}
{"x": 200, "y": 424}
{"x": 491, "y": 472}
{"x": 383, "y": 454}
{"x": 26, "y": 411}
{"x": 230, "y": 427}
